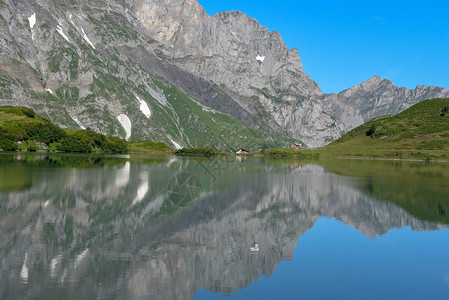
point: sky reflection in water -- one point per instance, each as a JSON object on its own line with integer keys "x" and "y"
{"x": 97, "y": 227}
{"x": 335, "y": 261}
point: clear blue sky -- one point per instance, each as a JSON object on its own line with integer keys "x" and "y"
{"x": 343, "y": 43}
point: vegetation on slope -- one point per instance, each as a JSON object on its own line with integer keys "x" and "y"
{"x": 148, "y": 147}
{"x": 202, "y": 126}
{"x": 207, "y": 151}
{"x": 22, "y": 129}
{"x": 420, "y": 132}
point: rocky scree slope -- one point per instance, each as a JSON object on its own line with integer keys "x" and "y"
{"x": 167, "y": 71}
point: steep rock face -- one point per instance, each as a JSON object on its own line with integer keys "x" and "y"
{"x": 229, "y": 48}
{"x": 376, "y": 97}
{"x": 248, "y": 62}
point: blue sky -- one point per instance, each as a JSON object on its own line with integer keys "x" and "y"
{"x": 343, "y": 43}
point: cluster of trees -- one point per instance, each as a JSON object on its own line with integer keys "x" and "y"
{"x": 206, "y": 151}
{"x": 90, "y": 141}
{"x": 7, "y": 140}
{"x": 46, "y": 133}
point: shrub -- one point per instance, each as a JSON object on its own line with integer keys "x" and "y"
{"x": 54, "y": 146}
{"x": 7, "y": 141}
{"x": 44, "y": 132}
{"x": 99, "y": 142}
{"x": 30, "y": 146}
{"x": 116, "y": 145}
{"x": 28, "y": 112}
{"x": 207, "y": 151}
{"x": 371, "y": 131}
{"x": 74, "y": 143}
{"x": 7, "y": 144}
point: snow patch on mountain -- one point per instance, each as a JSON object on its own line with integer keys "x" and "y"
{"x": 32, "y": 20}
{"x": 61, "y": 32}
{"x": 260, "y": 58}
{"x": 78, "y": 122}
{"x": 177, "y": 146}
{"x": 86, "y": 38}
{"x": 144, "y": 108}
{"x": 126, "y": 124}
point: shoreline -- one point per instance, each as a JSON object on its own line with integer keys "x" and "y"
{"x": 230, "y": 154}
{"x": 350, "y": 158}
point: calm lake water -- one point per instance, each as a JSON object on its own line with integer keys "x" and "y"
{"x": 143, "y": 227}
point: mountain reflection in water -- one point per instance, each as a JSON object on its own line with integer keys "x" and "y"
{"x": 163, "y": 228}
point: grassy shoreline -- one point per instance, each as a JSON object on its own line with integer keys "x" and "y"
{"x": 396, "y": 155}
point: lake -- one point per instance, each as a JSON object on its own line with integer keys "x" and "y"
{"x": 166, "y": 227}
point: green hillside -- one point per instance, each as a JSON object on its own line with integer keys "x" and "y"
{"x": 22, "y": 129}
{"x": 420, "y": 132}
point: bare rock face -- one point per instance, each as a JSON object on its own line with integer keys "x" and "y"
{"x": 376, "y": 97}
{"x": 229, "y": 48}
{"x": 250, "y": 63}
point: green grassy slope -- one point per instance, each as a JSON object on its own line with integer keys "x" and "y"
{"x": 420, "y": 132}
{"x": 200, "y": 126}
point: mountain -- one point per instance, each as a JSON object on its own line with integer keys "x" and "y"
{"x": 167, "y": 71}
{"x": 419, "y": 132}
{"x": 376, "y": 97}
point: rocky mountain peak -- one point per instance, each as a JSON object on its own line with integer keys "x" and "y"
{"x": 377, "y": 97}
{"x": 219, "y": 47}
{"x": 370, "y": 84}
{"x": 372, "y": 81}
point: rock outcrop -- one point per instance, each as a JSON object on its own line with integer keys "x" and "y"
{"x": 377, "y": 97}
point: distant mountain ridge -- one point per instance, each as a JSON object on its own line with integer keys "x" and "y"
{"x": 167, "y": 71}
{"x": 377, "y": 97}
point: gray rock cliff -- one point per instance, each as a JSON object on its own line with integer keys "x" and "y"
{"x": 377, "y": 97}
